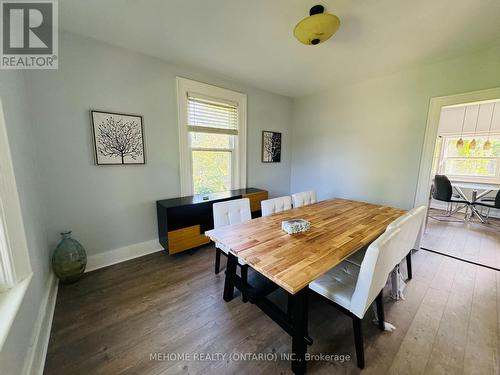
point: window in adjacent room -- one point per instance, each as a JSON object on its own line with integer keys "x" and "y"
{"x": 212, "y": 130}
{"x": 476, "y": 165}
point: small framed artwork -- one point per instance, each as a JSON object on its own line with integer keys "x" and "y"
{"x": 118, "y": 138}
{"x": 271, "y": 147}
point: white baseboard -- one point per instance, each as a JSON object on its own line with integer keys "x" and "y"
{"x": 122, "y": 254}
{"x": 37, "y": 352}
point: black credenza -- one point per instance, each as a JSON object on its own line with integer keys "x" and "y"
{"x": 183, "y": 221}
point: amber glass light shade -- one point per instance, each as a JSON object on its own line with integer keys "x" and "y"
{"x": 460, "y": 143}
{"x": 316, "y": 28}
{"x": 472, "y": 144}
{"x": 487, "y": 145}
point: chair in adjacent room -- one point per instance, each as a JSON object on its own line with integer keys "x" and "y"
{"x": 304, "y": 198}
{"x": 353, "y": 289}
{"x": 489, "y": 203}
{"x": 272, "y": 206}
{"x": 228, "y": 213}
{"x": 443, "y": 191}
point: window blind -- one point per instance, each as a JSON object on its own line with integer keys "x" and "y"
{"x": 210, "y": 116}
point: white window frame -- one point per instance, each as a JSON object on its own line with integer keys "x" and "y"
{"x": 238, "y": 173}
{"x": 479, "y": 179}
{"x": 15, "y": 267}
{"x": 7, "y": 271}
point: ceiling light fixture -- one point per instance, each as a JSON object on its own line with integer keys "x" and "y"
{"x": 316, "y": 28}
{"x": 472, "y": 145}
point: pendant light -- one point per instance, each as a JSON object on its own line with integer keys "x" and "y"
{"x": 472, "y": 145}
{"x": 316, "y": 28}
{"x": 460, "y": 142}
{"x": 487, "y": 144}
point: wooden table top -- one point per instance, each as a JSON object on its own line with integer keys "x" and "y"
{"x": 338, "y": 229}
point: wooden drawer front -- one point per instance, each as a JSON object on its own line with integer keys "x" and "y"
{"x": 255, "y": 199}
{"x": 185, "y": 239}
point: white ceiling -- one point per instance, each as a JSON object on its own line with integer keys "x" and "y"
{"x": 251, "y": 41}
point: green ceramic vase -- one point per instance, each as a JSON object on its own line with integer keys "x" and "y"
{"x": 69, "y": 259}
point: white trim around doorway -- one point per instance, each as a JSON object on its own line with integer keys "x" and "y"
{"x": 431, "y": 131}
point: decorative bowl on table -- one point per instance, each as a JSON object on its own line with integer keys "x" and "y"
{"x": 295, "y": 226}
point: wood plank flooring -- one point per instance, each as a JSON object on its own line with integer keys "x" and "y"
{"x": 471, "y": 241}
{"x": 110, "y": 322}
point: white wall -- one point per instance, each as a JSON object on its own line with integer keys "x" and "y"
{"x": 24, "y": 152}
{"x": 114, "y": 206}
{"x": 364, "y": 141}
{"x": 452, "y": 118}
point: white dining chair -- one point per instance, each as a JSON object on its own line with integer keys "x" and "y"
{"x": 228, "y": 213}
{"x": 275, "y": 205}
{"x": 410, "y": 224}
{"x": 352, "y": 289}
{"x": 304, "y": 198}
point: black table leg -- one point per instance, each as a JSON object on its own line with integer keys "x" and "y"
{"x": 299, "y": 327}
{"x": 244, "y": 279}
{"x": 232, "y": 262}
{"x": 289, "y": 307}
{"x": 217, "y": 260}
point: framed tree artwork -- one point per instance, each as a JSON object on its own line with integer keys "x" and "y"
{"x": 118, "y": 138}
{"x": 271, "y": 147}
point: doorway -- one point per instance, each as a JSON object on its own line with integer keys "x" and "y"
{"x": 460, "y": 169}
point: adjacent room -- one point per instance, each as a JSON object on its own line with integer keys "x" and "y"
{"x": 464, "y": 209}
{"x": 249, "y": 187}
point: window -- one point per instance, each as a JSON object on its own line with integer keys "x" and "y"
{"x": 15, "y": 268}
{"x": 7, "y": 274}
{"x": 212, "y": 138}
{"x": 437, "y": 155}
{"x": 14, "y": 259}
{"x": 475, "y": 165}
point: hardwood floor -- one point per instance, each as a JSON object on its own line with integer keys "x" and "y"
{"x": 472, "y": 241}
{"x": 110, "y": 322}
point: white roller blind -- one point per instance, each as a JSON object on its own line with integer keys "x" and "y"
{"x": 208, "y": 116}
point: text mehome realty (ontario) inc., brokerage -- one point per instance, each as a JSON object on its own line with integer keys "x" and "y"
{"x": 239, "y": 356}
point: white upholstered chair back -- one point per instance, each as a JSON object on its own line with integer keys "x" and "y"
{"x": 410, "y": 225}
{"x": 304, "y": 198}
{"x": 380, "y": 259}
{"x": 231, "y": 212}
{"x": 272, "y": 206}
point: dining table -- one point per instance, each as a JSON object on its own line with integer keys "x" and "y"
{"x": 338, "y": 228}
{"x": 478, "y": 191}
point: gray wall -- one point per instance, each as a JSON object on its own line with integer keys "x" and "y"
{"x": 364, "y": 141}
{"x": 112, "y": 206}
{"x": 23, "y": 146}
